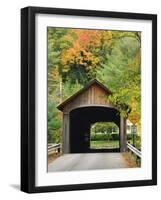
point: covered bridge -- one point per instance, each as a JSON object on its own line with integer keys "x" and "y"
{"x": 87, "y": 106}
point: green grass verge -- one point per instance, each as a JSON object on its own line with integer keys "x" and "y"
{"x": 104, "y": 144}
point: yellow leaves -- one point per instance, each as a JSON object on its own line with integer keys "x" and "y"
{"x": 134, "y": 117}
{"x": 107, "y": 37}
{"x": 88, "y": 56}
{"x": 69, "y": 37}
{"x": 66, "y": 68}
{"x": 136, "y": 62}
{"x": 55, "y": 73}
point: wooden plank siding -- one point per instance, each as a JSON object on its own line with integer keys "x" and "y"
{"x": 94, "y": 95}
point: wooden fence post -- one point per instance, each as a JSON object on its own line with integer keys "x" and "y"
{"x": 66, "y": 134}
{"x": 122, "y": 134}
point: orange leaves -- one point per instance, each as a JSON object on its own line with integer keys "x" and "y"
{"x": 84, "y": 56}
{"x": 88, "y": 38}
{"x": 79, "y": 57}
{"x": 81, "y": 52}
{"x": 68, "y": 56}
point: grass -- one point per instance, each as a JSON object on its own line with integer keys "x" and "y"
{"x": 104, "y": 144}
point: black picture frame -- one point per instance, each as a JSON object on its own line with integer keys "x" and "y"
{"x": 28, "y": 98}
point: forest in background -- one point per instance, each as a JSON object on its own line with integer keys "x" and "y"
{"x": 76, "y": 56}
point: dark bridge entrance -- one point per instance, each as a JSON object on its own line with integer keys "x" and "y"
{"x": 80, "y": 123}
{"x": 89, "y": 105}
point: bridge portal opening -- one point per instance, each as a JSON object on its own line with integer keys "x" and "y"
{"x": 81, "y": 121}
{"x": 104, "y": 135}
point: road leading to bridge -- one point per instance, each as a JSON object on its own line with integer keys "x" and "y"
{"x": 87, "y": 161}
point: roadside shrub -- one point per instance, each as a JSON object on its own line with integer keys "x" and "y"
{"x": 102, "y": 136}
{"x": 115, "y": 136}
{"x": 137, "y": 140}
{"x": 129, "y": 137}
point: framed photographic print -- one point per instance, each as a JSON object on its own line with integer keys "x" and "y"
{"x": 88, "y": 99}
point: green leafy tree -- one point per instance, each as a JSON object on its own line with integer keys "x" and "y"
{"x": 122, "y": 73}
{"x": 54, "y": 124}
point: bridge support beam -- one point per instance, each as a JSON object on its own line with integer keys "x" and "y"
{"x": 66, "y": 134}
{"x": 122, "y": 134}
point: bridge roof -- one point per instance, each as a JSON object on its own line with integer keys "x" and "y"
{"x": 86, "y": 87}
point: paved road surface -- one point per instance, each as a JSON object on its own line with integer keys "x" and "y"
{"x": 88, "y": 161}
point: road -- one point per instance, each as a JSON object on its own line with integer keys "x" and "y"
{"x": 87, "y": 161}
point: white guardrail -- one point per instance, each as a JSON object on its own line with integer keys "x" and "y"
{"x": 54, "y": 148}
{"x": 134, "y": 150}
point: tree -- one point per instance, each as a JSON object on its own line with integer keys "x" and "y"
{"x": 103, "y": 127}
{"x": 122, "y": 74}
{"x": 80, "y": 61}
{"x": 75, "y": 56}
{"x": 56, "y": 43}
{"x": 54, "y": 124}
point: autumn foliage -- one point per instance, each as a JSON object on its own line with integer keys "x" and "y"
{"x": 76, "y": 56}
